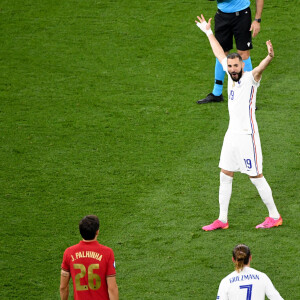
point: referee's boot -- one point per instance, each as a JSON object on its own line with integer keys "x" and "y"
{"x": 211, "y": 98}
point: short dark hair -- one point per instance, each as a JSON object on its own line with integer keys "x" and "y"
{"x": 88, "y": 227}
{"x": 234, "y": 55}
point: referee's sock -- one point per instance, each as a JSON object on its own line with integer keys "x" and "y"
{"x": 219, "y": 79}
{"x": 248, "y": 64}
{"x": 224, "y": 196}
{"x": 265, "y": 193}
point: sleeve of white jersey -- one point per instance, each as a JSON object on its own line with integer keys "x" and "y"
{"x": 224, "y": 64}
{"x": 271, "y": 292}
{"x": 256, "y": 83}
{"x": 223, "y": 291}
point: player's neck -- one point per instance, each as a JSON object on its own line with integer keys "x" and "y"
{"x": 94, "y": 239}
{"x": 248, "y": 265}
{"x": 89, "y": 241}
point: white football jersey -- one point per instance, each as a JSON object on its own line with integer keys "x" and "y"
{"x": 249, "y": 284}
{"x": 242, "y": 102}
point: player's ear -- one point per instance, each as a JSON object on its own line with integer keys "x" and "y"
{"x": 232, "y": 259}
{"x": 243, "y": 65}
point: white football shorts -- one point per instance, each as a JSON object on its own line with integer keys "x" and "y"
{"x": 241, "y": 153}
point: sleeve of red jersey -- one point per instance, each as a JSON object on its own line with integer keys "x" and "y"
{"x": 66, "y": 262}
{"x": 111, "y": 268}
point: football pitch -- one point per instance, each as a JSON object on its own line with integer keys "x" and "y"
{"x": 98, "y": 115}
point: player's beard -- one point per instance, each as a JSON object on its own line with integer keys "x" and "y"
{"x": 238, "y": 77}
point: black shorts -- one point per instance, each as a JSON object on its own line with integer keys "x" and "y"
{"x": 236, "y": 24}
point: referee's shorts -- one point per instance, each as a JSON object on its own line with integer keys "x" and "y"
{"x": 237, "y": 25}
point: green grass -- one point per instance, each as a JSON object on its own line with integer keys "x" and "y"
{"x": 98, "y": 115}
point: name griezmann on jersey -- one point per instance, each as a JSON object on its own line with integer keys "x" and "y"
{"x": 243, "y": 278}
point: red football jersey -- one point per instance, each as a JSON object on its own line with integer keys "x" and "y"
{"x": 89, "y": 264}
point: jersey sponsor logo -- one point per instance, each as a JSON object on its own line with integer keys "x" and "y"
{"x": 243, "y": 278}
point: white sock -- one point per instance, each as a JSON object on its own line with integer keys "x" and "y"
{"x": 265, "y": 193}
{"x": 224, "y": 196}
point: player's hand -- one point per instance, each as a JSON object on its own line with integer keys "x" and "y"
{"x": 255, "y": 28}
{"x": 203, "y": 25}
{"x": 270, "y": 48}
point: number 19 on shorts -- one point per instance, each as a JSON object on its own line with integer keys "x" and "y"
{"x": 248, "y": 163}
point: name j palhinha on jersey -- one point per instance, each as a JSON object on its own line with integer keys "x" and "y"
{"x": 87, "y": 254}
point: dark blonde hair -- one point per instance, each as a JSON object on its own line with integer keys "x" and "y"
{"x": 241, "y": 255}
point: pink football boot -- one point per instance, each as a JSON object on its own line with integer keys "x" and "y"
{"x": 217, "y": 224}
{"x": 270, "y": 222}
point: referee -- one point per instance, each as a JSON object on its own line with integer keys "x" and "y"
{"x": 233, "y": 19}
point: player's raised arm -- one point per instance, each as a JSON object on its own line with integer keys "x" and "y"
{"x": 257, "y": 72}
{"x": 206, "y": 28}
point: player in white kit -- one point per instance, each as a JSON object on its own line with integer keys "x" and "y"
{"x": 241, "y": 151}
{"x": 245, "y": 282}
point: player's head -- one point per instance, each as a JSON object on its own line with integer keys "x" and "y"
{"x": 241, "y": 256}
{"x": 235, "y": 66}
{"x": 88, "y": 227}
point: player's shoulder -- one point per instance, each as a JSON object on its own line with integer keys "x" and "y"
{"x": 99, "y": 247}
{"x": 72, "y": 248}
{"x": 83, "y": 245}
{"x": 226, "y": 279}
{"x": 248, "y": 76}
{"x": 105, "y": 248}
{"x": 254, "y": 271}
